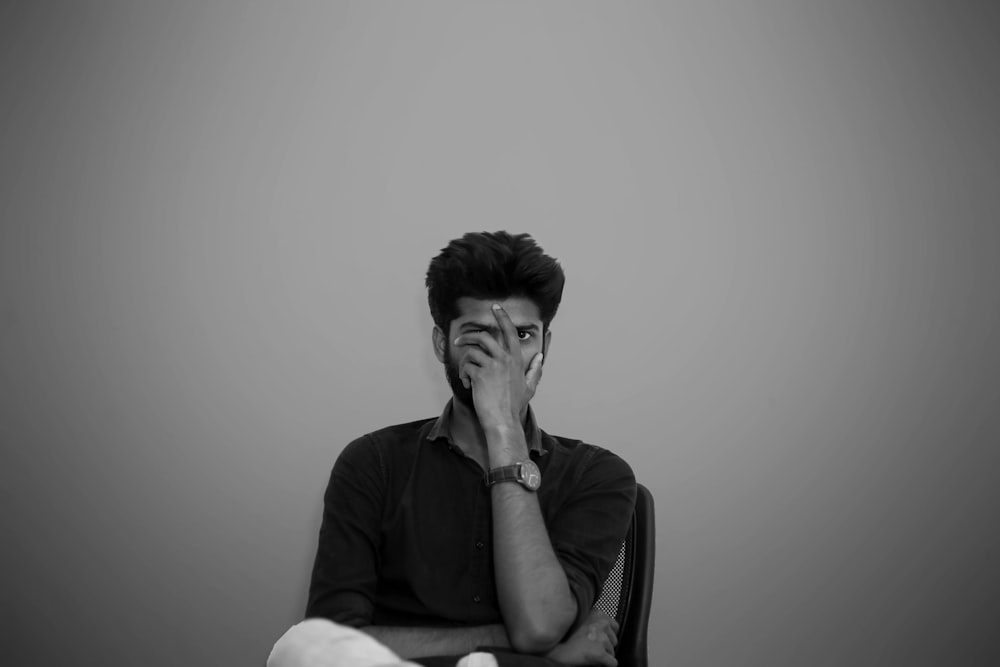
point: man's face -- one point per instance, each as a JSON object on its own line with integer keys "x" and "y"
{"x": 477, "y": 315}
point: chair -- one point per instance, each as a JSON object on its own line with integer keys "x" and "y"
{"x": 627, "y": 594}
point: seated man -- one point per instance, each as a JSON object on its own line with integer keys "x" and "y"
{"x": 476, "y": 530}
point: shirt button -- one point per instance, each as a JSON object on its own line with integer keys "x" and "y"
{"x": 477, "y": 599}
{"x": 480, "y": 544}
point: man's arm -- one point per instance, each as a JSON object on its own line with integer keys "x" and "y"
{"x": 344, "y": 576}
{"x": 423, "y": 642}
{"x": 535, "y": 598}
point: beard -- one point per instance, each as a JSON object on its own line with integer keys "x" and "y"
{"x": 462, "y": 395}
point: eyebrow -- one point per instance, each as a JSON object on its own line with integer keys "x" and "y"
{"x": 494, "y": 328}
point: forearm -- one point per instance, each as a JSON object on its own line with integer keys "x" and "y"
{"x": 534, "y": 594}
{"x": 418, "y": 642}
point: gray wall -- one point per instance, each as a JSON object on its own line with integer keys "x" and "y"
{"x": 779, "y": 223}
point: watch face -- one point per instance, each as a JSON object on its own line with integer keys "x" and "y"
{"x": 530, "y": 476}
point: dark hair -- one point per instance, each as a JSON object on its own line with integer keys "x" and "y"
{"x": 497, "y": 265}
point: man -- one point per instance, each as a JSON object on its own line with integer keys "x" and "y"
{"x": 477, "y": 529}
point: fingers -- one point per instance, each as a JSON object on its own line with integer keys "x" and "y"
{"x": 600, "y": 617}
{"x": 610, "y": 631}
{"x": 603, "y": 633}
{"x": 488, "y": 344}
{"x": 614, "y": 631}
{"x": 470, "y": 364}
{"x": 482, "y": 340}
{"x": 478, "y": 348}
{"x": 606, "y": 656}
{"x": 610, "y": 641}
{"x": 507, "y": 329}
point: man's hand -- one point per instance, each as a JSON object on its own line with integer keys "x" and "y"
{"x": 593, "y": 643}
{"x": 501, "y": 387}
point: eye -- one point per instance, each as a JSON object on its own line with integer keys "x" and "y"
{"x": 524, "y": 335}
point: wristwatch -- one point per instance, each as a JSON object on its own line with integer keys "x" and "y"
{"x": 524, "y": 473}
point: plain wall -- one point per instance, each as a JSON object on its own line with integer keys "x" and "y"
{"x": 779, "y": 223}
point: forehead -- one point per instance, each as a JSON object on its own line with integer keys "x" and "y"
{"x": 522, "y": 311}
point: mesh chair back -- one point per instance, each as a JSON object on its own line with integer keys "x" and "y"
{"x": 627, "y": 594}
{"x": 614, "y": 597}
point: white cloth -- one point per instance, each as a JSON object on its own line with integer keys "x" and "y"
{"x": 478, "y": 660}
{"x": 317, "y": 642}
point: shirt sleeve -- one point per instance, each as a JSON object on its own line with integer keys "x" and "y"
{"x": 588, "y": 529}
{"x": 345, "y": 572}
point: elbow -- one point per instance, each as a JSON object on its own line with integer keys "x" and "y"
{"x": 525, "y": 640}
{"x": 539, "y": 635}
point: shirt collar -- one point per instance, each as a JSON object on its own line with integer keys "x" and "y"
{"x": 532, "y": 434}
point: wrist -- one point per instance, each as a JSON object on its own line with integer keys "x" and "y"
{"x": 502, "y": 429}
{"x": 499, "y": 420}
{"x": 505, "y": 444}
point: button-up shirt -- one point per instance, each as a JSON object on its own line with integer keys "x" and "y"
{"x": 406, "y": 535}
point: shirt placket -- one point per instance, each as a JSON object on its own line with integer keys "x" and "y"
{"x": 481, "y": 550}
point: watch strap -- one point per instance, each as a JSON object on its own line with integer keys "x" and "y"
{"x": 509, "y": 473}
{"x": 525, "y": 473}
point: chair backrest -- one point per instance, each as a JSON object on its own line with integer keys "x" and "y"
{"x": 627, "y": 594}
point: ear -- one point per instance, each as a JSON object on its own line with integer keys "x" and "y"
{"x": 440, "y": 343}
{"x": 546, "y": 341}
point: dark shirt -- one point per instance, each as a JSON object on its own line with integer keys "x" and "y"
{"x": 407, "y": 526}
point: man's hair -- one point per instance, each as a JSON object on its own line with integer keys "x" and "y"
{"x": 493, "y": 265}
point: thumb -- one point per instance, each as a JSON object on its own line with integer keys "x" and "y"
{"x": 534, "y": 373}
